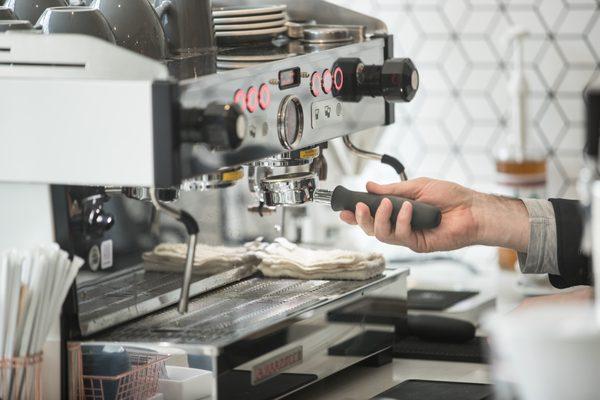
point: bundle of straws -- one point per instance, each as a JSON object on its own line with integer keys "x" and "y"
{"x": 33, "y": 287}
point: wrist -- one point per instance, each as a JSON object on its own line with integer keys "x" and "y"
{"x": 502, "y": 221}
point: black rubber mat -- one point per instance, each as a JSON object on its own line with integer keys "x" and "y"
{"x": 437, "y": 390}
{"x": 474, "y": 351}
{"x": 372, "y": 310}
{"x": 364, "y": 344}
{"x": 436, "y": 300}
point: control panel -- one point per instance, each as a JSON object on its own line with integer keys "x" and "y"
{"x": 301, "y": 101}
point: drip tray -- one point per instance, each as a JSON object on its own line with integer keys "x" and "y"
{"x": 135, "y": 292}
{"x": 230, "y": 313}
{"x": 437, "y": 390}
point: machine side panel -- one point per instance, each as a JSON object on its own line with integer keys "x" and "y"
{"x": 167, "y": 171}
{"x": 80, "y": 132}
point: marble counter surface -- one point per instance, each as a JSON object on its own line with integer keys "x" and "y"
{"x": 360, "y": 383}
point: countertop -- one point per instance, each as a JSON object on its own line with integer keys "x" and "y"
{"x": 360, "y": 382}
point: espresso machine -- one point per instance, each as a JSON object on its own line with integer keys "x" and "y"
{"x": 109, "y": 153}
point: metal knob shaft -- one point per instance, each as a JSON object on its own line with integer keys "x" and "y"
{"x": 218, "y": 126}
{"x": 397, "y": 80}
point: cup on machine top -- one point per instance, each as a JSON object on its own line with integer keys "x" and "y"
{"x": 82, "y": 20}
{"x": 31, "y": 10}
{"x": 135, "y": 25}
{"x": 187, "y": 25}
{"x": 7, "y": 14}
{"x": 189, "y": 33}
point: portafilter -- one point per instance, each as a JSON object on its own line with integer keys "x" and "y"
{"x": 300, "y": 188}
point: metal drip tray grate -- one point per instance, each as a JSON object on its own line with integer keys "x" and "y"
{"x": 226, "y": 314}
{"x": 136, "y": 292}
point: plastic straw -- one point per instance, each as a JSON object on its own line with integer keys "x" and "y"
{"x": 33, "y": 287}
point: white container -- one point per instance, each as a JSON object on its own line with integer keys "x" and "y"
{"x": 550, "y": 352}
{"x": 185, "y": 383}
{"x": 595, "y": 229}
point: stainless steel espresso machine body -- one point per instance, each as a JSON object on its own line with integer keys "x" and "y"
{"x": 115, "y": 137}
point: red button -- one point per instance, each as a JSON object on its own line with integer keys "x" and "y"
{"x": 264, "y": 96}
{"x": 252, "y": 99}
{"x": 338, "y": 78}
{"x": 327, "y": 81}
{"x": 239, "y": 98}
{"x": 315, "y": 84}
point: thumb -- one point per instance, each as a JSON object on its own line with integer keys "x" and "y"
{"x": 409, "y": 189}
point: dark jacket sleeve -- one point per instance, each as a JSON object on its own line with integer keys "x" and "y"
{"x": 574, "y": 267}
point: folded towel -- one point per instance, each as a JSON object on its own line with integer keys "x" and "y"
{"x": 280, "y": 259}
{"x": 284, "y": 259}
{"x": 170, "y": 257}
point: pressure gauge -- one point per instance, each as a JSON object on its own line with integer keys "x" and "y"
{"x": 290, "y": 122}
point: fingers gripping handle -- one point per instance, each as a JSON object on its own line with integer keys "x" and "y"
{"x": 424, "y": 215}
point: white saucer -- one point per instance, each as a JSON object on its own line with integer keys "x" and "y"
{"x": 248, "y": 19}
{"x": 247, "y": 10}
{"x": 253, "y": 32}
{"x": 256, "y": 59}
{"x": 235, "y": 65}
{"x": 242, "y": 27}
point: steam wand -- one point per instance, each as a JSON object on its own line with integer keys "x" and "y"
{"x": 192, "y": 229}
{"x": 383, "y": 158}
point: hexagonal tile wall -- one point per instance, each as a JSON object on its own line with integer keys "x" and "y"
{"x": 461, "y": 115}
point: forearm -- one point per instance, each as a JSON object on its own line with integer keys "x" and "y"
{"x": 502, "y": 221}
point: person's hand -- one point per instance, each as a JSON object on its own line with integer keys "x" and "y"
{"x": 468, "y": 217}
{"x": 581, "y": 295}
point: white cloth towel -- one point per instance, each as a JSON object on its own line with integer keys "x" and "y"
{"x": 284, "y": 259}
{"x": 280, "y": 259}
{"x": 170, "y": 257}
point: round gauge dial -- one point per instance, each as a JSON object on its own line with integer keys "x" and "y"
{"x": 290, "y": 122}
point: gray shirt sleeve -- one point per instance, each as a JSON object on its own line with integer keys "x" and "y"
{"x": 541, "y": 252}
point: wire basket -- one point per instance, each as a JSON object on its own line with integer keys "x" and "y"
{"x": 140, "y": 383}
{"x": 21, "y": 377}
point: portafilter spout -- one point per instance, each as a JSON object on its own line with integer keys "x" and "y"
{"x": 192, "y": 229}
{"x": 300, "y": 188}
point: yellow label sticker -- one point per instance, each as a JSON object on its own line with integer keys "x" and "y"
{"x": 312, "y": 153}
{"x": 233, "y": 175}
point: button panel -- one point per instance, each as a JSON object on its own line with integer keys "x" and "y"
{"x": 323, "y": 113}
{"x": 326, "y": 112}
{"x": 239, "y": 98}
{"x": 252, "y": 99}
{"x": 315, "y": 84}
{"x": 264, "y": 96}
{"x": 338, "y": 78}
{"x": 327, "y": 81}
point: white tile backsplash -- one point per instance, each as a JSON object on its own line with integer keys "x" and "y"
{"x": 453, "y": 126}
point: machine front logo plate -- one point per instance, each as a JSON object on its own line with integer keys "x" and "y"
{"x": 276, "y": 365}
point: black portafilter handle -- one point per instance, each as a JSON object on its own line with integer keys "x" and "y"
{"x": 424, "y": 215}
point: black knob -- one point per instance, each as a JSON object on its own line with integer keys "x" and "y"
{"x": 96, "y": 221}
{"x": 99, "y": 221}
{"x": 218, "y": 126}
{"x": 397, "y": 80}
